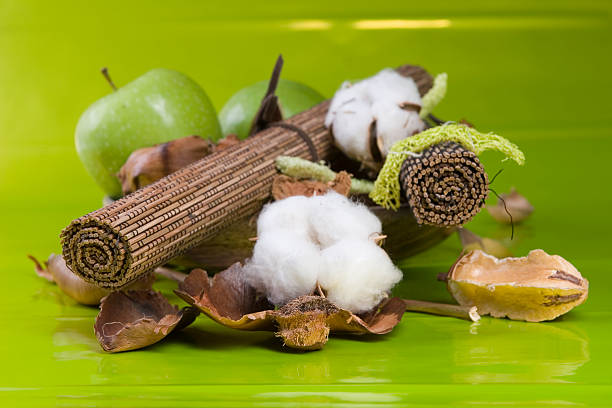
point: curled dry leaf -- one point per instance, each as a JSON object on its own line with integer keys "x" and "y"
{"x": 135, "y": 319}
{"x": 517, "y": 206}
{"x": 472, "y": 242}
{"x": 149, "y": 164}
{"x": 534, "y": 288}
{"x": 74, "y": 286}
{"x": 285, "y": 186}
{"x": 304, "y": 323}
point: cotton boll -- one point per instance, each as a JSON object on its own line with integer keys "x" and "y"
{"x": 357, "y": 274}
{"x": 283, "y": 266}
{"x": 351, "y": 129}
{"x": 343, "y": 96}
{"x": 334, "y": 217}
{"x": 389, "y": 86}
{"x": 394, "y": 124}
{"x": 289, "y": 214}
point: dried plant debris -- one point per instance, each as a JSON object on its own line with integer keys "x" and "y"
{"x": 534, "y": 288}
{"x": 284, "y": 186}
{"x": 149, "y": 164}
{"x": 516, "y": 204}
{"x": 76, "y": 287}
{"x": 472, "y": 242}
{"x": 132, "y": 320}
{"x": 303, "y": 323}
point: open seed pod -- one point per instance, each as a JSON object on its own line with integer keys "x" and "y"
{"x": 516, "y": 204}
{"x": 534, "y": 288}
{"x": 136, "y": 319}
{"x": 471, "y": 242}
{"x": 76, "y": 287}
{"x": 304, "y": 323}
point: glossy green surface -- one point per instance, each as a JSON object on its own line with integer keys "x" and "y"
{"x": 535, "y": 72}
{"x": 237, "y": 114}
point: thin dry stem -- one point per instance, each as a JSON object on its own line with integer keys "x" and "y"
{"x": 442, "y": 309}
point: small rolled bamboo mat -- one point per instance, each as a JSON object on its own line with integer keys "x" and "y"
{"x": 446, "y": 185}
{"x": 130, "y": 237}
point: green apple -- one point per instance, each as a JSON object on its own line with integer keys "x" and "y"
{"x": 238, "y": 113}
{"x": 159, "y": 106}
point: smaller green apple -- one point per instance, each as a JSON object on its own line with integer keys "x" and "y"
{"x": 159, "y": 106}
{"x": 238, "y": 113}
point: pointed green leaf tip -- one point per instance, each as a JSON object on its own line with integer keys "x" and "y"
{"x": 386, "y": 191}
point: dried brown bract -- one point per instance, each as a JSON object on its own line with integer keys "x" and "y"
{"x": 304, "y": 323}
{"x": 517, "y": 206}
{"x": 135, "y": 319}
{"x": 225, "y": 143}
{"x": 149, "y": 164}
{"x": 472, "y": 242}
{"x": 285, "y": 186}
{"x": 74, "y": 286}
{"x": 533, "y": 288}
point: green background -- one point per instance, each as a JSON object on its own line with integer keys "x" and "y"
{"x": 535, "y": 72}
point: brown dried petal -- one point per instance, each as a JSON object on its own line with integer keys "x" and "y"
{"x": 304, "y": 323}
{"x": 472, "y": 242}
{"x": 285, "y": 186}
{"x": 533, "y": 288}
{"x": 74, "y": 286}
{"x": 517, "y": 206}
{"x": 136, "y": 319}
{"x": 149, "y": 164}
{"x": 225, "y": 143}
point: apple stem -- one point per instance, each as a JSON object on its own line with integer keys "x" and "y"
{"x": 108, "y": 78}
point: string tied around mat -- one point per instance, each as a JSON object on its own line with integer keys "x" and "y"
{"x": 387, "y": 188}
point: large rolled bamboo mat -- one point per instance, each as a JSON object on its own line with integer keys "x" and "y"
{"x": 130, "y": 237}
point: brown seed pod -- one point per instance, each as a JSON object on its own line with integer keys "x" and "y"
{"x": 304, "y": 323}
{"x": 471, "y": 242}
{"x": 149, "y": 164}
{"x": 516, "y": 204}
{"x": 74, "y": 286}
{"x": 534, "y": 288}
{"x": 135, "y": 319}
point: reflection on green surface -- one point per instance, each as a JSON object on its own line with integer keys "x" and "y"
{"x": 535, "y": 72}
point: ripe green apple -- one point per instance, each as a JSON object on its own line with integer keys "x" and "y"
{"x": 159, "y": 106}
{"x": 238, "y": 113}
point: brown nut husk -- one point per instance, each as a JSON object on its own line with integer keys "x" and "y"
{"x": 304, "y": 323}
{"x": 517, "y": 206}
{"x": 135, "y": 319}
{"x": 472, "y": 242}
{"x": 534, "y": 288}
{"x": 149, "y": 164}
{"x": 74, "y": 286}
{"x": 285, "y": 186}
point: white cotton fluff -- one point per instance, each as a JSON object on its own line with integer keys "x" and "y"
{"x": 291, "y": 253}
{"x": 357, "y": 274}
{"x": 335, "y": 218}
{"x": 380, "y": 98}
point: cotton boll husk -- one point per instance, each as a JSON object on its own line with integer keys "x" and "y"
{"x": 290, "y": 214}
{"x": 283, "y": 266}
{"x": 351, "y": 129}
{"x": 390, "y": 86}
{"x": 394, "y": 124}
{"x": 357, "y": 274}
{"x": 335, "y": 217}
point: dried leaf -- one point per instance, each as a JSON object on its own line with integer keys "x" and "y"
{"x": 225, "y": 143}
{"x": 149, "y": 164}
{"x": 517, "y": 206}
{"x": 304, "y": 323}
{"x": 472, "y": 242}
{"x": 533, "y": 288}
{"x": 135, "y": 319}
{"x": 74, "y": 286}
{"x": 285, "y": 186}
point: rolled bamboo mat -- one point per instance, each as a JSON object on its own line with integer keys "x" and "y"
{"x": 445, "y": 186}
{"x": 130, "y": 237}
